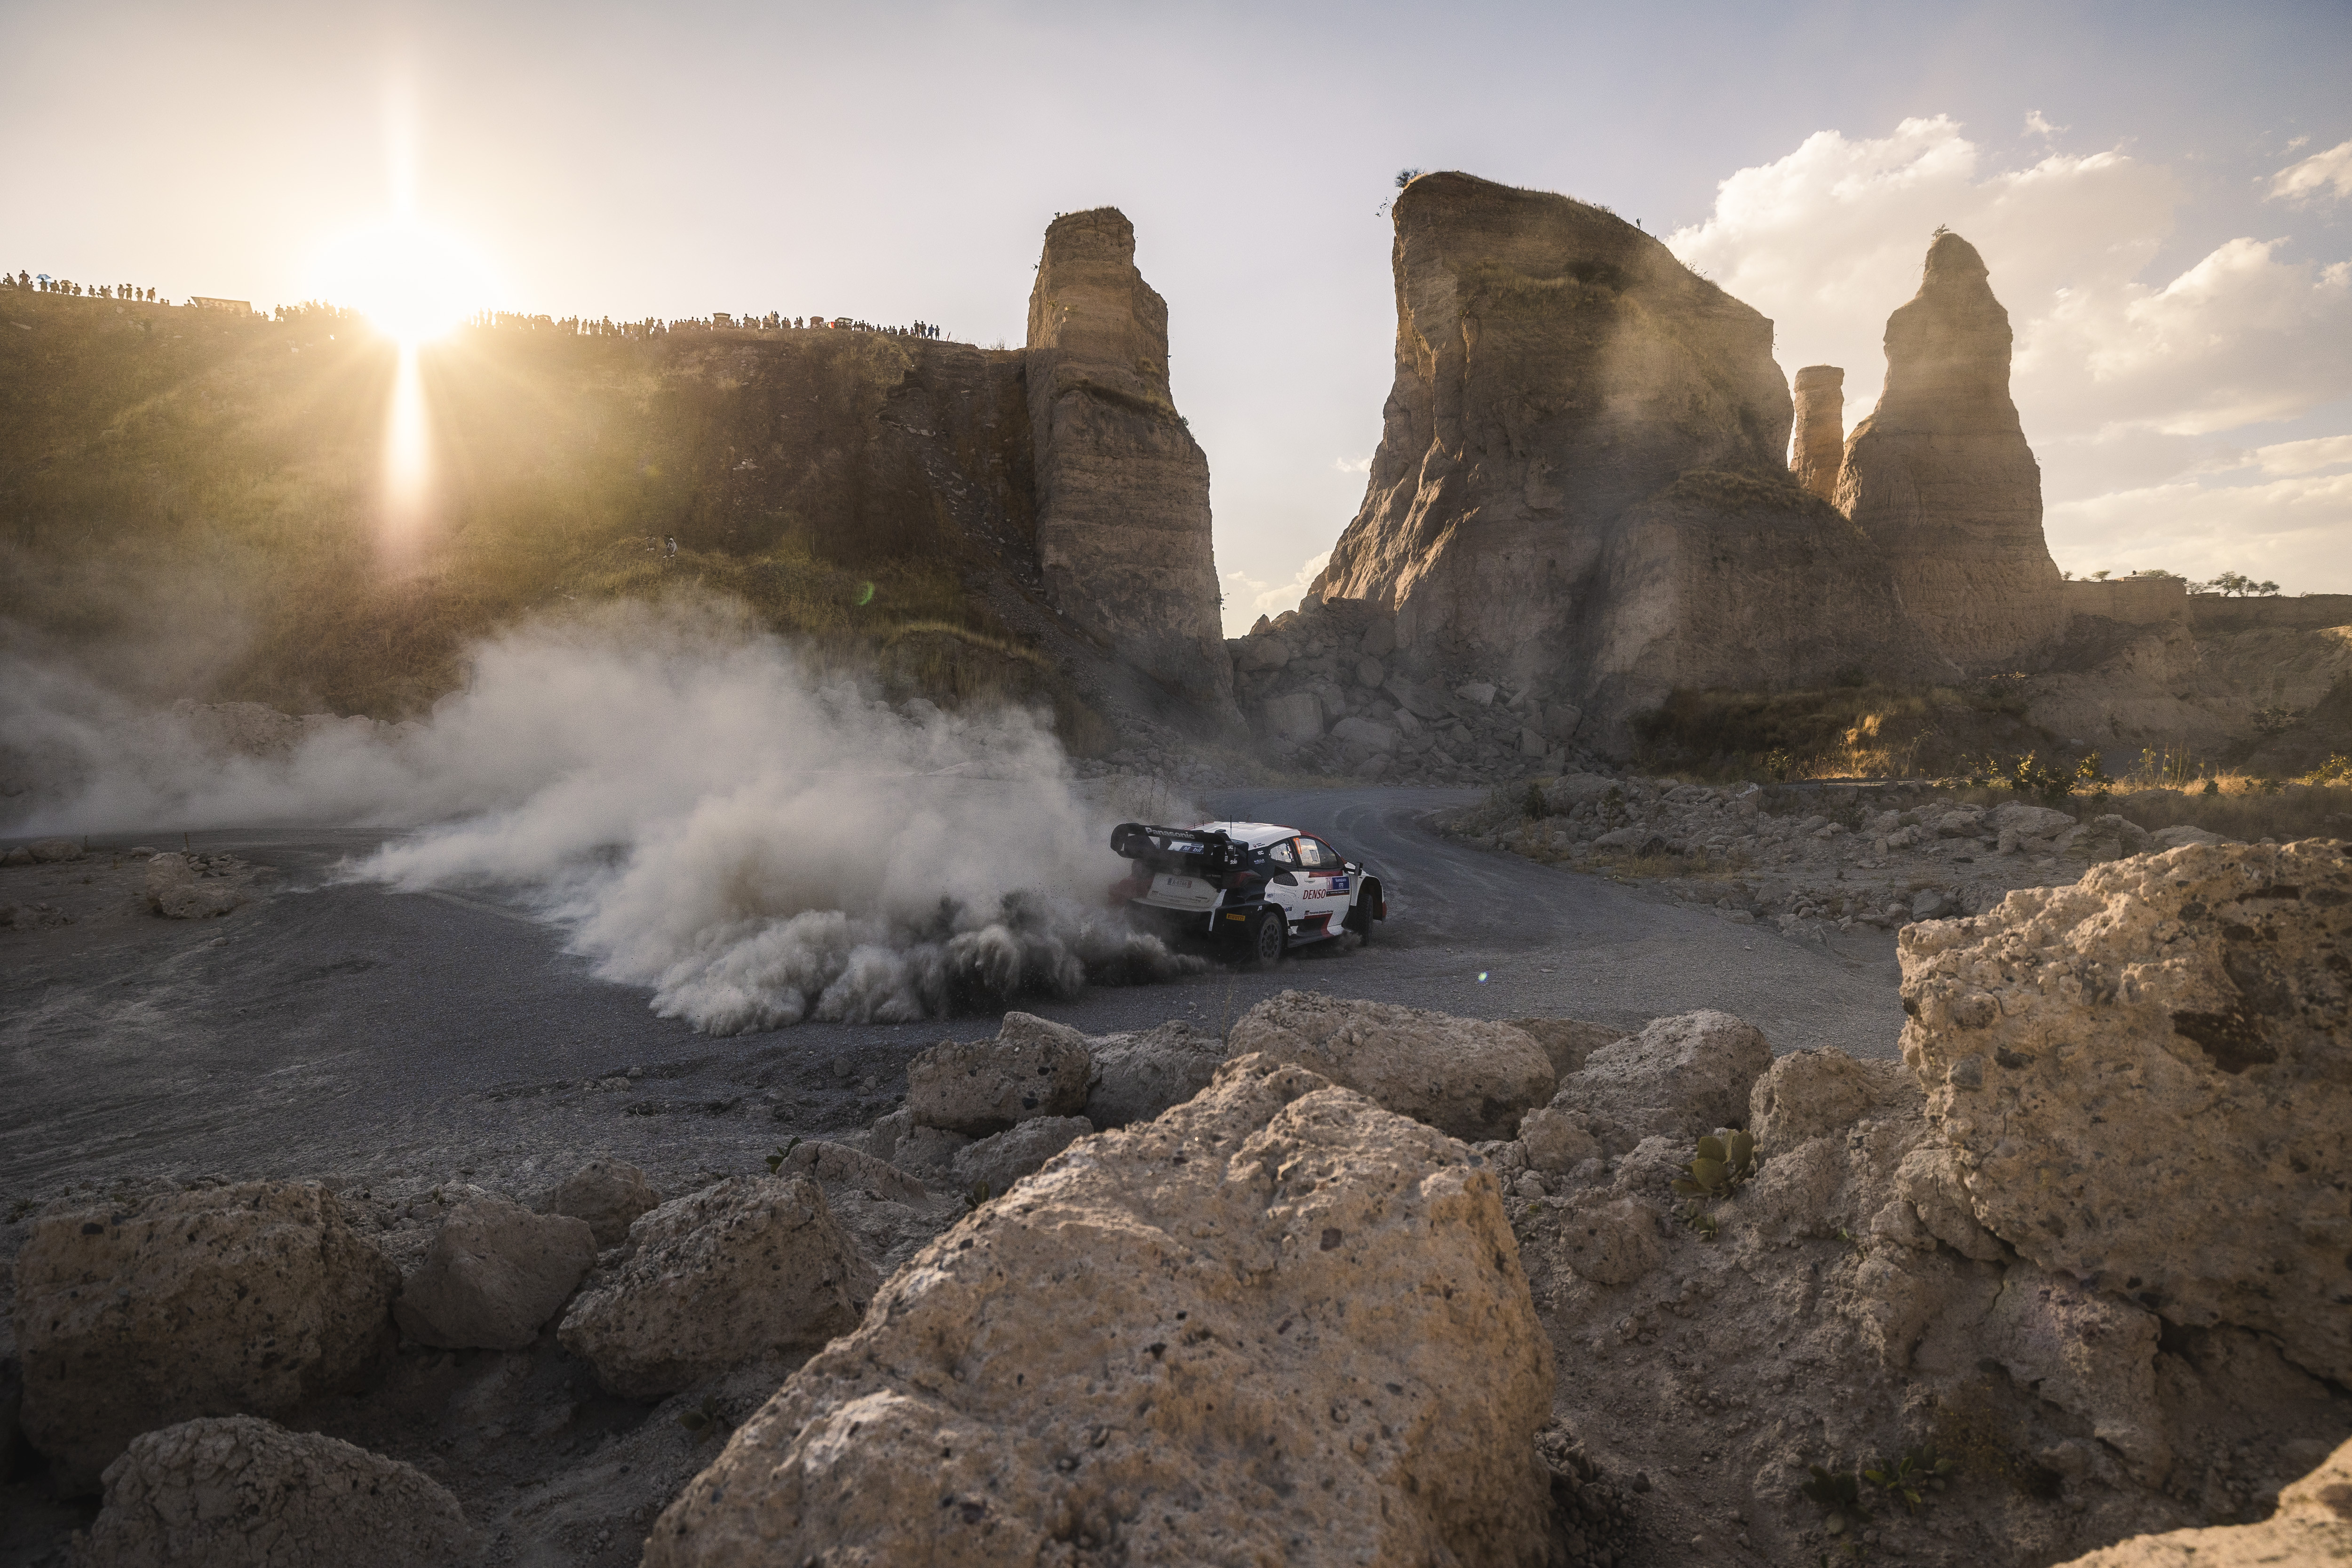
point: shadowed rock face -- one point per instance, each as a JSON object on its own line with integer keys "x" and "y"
{"x": 1820, "y": 429}
{"x": 1122, "y": 488}
{"x": 1941, "y": 478}
{"x": 1582, "y": 479}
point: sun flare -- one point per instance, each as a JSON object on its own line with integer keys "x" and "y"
{"x": 412, "y": 281}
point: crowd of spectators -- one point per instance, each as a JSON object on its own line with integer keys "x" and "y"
{"x": 45, "y": 284}
{"x": 718, "y": 321}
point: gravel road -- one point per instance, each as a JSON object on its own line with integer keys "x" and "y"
{"x": 403, "y": 1038}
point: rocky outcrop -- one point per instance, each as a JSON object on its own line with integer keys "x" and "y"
{"x": 996, "y": 1163}
{"x": 1140, "y": 1075}
{"x": 2143, "y": 1075}
{"x": 1582, "y": 481}
{"x": 1818, "y": 451}
{"x": 1941, "y": 480}
{"x": 1122, "y": 488}
{"x": 1032, "y": 1068}
{"x": 1277, "y": 1324}
{"x": 608, "y": 1194}
{"x": 493, "y": 1275}
{"x": 236, "y": 1300}
{"x": 753, "y": 1269}
{"x": 1680, "y": 1077}
{"x": 2313, "y": 1526}
{"x": 238, "y": 1492}
{"x": 1472, "y": 1078}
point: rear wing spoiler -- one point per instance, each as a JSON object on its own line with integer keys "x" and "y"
{"x": 1197, "y": 851}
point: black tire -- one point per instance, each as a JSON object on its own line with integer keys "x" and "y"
{"x": 1359, "y": 919}
{"x": 1268, "y": 940}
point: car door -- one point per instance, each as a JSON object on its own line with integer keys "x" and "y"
{"x": 1329, "y": 886}
{"x": 1286, "y": 888}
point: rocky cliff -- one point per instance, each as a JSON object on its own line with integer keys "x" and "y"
{"x": 1819, "y": 450}
{"x": 1122, "y": 488}
{"x": 1941, "y": 478}
{"x": 1582, "y": 487}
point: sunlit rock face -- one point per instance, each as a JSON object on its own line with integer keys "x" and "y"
{"x": 1941, "y": 478}
{"x": 1582, "y": 480}
{"x": 1819, "y": 450}
{"x": 1122, "y": 488}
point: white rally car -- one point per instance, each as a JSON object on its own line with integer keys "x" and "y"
{"x": 1262, "y": 887}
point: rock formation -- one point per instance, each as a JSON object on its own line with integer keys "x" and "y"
{"x": 2313, "y": 1526}
{"x": 1582, "y": 485}
{"x": 1819, "y": 451}
{"x": 1122, "y": 503}
{"x": 493, "y": 1275}
{"x": 1941, "y": 480}
{"x": 1276, "y": 1324}
{"x": 2144, "y": 1074}
{"x": 1472, "y": 1078}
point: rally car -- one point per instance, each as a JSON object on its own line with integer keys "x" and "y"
{"x": 1256, "y": 885}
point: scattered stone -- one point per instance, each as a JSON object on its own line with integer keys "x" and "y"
{"x": 1470, "y": 1077}
{"x": 1140, "y": 1075}
{"x": 1004, "y": 1158}
{"x": 2143, "y": 1074}
{"x": 1681, "y": 1078}
{"x": 753, "y": 1268}
{"x": 608, "y": 1194}
{"x": 1034, "y": 1067}
{"x": 241, "y": 1299}
{"x": 240, "y": 1492}
{"x": 1229, "y": 1312}
{"x": 494, "y": 1274}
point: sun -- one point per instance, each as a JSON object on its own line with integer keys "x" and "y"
{"x": 412, "y": 281}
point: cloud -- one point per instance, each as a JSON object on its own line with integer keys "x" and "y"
{"x": 1247, "y": 598}
{"x": 1352, "y": 465}
{"x": 2129, "y": 386}
{"x": 2286, "y": 529}
{"x": 2037, "y": 124}
{"x": 2321, "y": 177}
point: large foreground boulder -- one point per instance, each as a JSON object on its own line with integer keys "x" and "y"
{"x": 1034, "y": 1067}
{"x": 240, "y": 1492}
{"x": 750, "y": 1268}
{"x": 2313, "y": 1526}
{"x": 493, "y": 1275}
{"x": 1681, "y": 1079}
{"x": 608, "y": 1193}
{"x": 235, "y": 1300}
{"x": 1278, "y": 1324}
{"x": 1468, "y": 1075}
{"x": 2148, "y": 1079}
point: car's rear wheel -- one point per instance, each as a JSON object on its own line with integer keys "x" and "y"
{"x": 1268, "y": 938}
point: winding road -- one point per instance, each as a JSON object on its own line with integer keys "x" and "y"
{"x": 342, "y": 1029}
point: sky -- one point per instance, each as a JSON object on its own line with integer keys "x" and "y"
{"x": 2163, "y": 193}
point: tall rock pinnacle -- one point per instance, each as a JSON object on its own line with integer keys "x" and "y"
{"x": 1820, "y": 429}
{"x": 1941, "y": 478}
{"x": 1122, "y": 488}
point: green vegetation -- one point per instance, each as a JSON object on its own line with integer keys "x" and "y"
{"x": 1719, "y": 1168}
{"x": 775, "y": 1162}
{"x": 1910, "y": 1478}
{"x": 1854, "y": 729}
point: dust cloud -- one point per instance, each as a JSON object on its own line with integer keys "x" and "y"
{"x": 700, "y": 810}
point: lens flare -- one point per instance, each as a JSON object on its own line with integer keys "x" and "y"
{"x": 407, "y": 455}
{"x": 412, "y": 281}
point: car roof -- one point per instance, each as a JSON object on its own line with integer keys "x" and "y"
{"x": 1256, "y": 835}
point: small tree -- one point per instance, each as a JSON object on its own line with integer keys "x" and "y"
{"x": 1406, "y": 177}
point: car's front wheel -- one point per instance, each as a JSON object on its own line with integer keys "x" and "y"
{"x": 1268, "y": 938}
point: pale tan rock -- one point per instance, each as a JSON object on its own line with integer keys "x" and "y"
{"x": 1931, "y": 1181}
{"x": 2312, "y": 1527}
{"x": 608, "y": 1193}
{"x": 2143, "y": 1073}
{"x": 1614, "y": 1243}
{"x": 751, "y": 1269}
{"x": 238, "y": 1299}
{"x": 835, "y": 1167}
{"x": 1140, "y": 1075}
{"x": 55, "y": 851}
{"x": 1001, "y": 1160}
{"x": 1566, "y": 1042}
{"x": 1681, "y": 1079}
{"x": 493, "y": 1275}
{"x": 1122, "y": 523}
{"x": 1472, "y": 1078}
{"x": 2087, "y": 1352}
{"x": 1941, "y": 480}
{"x": 1807, "y": 1094}
{"x": 1818, "y": 449}
{"x": 1231, "y": 1311}
{"x": 175, "y": 891}
{"x": 1032, "y": 1068}
{"x": 1557, "y": 1141}
{"x": 240, "y": 1492}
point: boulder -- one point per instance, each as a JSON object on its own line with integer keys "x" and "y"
{"x": 1613, "y": 1243}
{"x": 2313, "y": 1525}
{"x": 2181, "y": 835}
{"x": 1470, "y": 1077}
{"x": 1004, "y": 1158}
{"x": 925, "y": 1154}
{"x": 748, "y": 1269}
{"x": 1362, "y": 737}
{"x": 1122, "y": 488}
{"x": 1814, "y": 1093}
{"x": 1234, "y": 1312}
{"x": 2088, "y": 1354}
{"x": 2029, "y": 821}
{"x": 240, "y": 1492}
{"x": 1940, "y": 480}
{"x": 1032, "y": 1068}
{"x": 494, "y": 1274}
{"x": 175, "y": 891}
{"x": 834, "y": 1165}
{"x": 1679, "y": 1079}
{"x": 608, "y": 1194}
{"x": 1557, "y": 1141}
{"x": 245, "y": 1298}
{"x": 1259, "y": 654}
{"x": 2142, "y": 1074}
{"x": 1818, "y": 450}
{"x": 55, "y": 851}
{"x": 1140, "y": 1075}
{"x": 1567, "y": 1042}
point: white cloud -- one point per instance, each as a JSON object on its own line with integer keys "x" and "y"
{"x": 2037, "y": 124}
{"x": 1247, "y": 598}
{"x": 1352, "y": 465}
{"x": 2321, "y": 175}
{"x": 2125, "y": 384}
{"x": 2292, "y": 530}
{"x": 2303, "y": 456}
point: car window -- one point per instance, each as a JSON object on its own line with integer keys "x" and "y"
{"x": 1281, "y": 852}
{"x": 1315, "y": 852}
